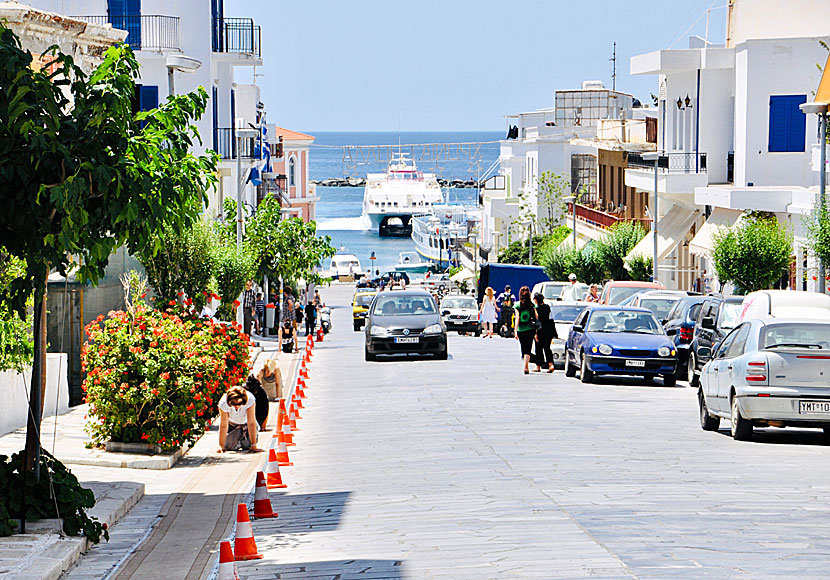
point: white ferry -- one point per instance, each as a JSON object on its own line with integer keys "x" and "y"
{"x": 392, "y": 198}
{"x": 439, "y": 233}
{"x": 344, "y": 266}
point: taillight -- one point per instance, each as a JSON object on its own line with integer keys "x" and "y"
{"x": 756, "y": 371}
{"x": 687, "y": 334}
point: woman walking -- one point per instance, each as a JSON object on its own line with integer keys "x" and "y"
{"x": 488, "y": 312}
{"x": 545, "y": 333}
{"x": 526, "y": 324}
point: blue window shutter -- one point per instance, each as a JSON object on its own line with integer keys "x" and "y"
{"x": 777, "y": 124}
{"x": 787, "y": 124}
{"x": 215, "y": 107}
{"x": 126, "y": 15}
{"x": 797, "y": 128}
{"x": 149, "y": 98}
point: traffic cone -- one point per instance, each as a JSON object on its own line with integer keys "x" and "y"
{"x": 320, "y": 334}
{"x": 244, "y": 546}
{"x": 287, "y": 437}
{"x": 298, "y": 394}
{"x": 262, "y": 504}
{"x": 272, "y": 468}
{"x": 282, "y": 452}
{"x": 306, "y": 358}
{"x": 293, "y": 416}
{"x": 300, "y": 389}
{"x": 227, "y": 563}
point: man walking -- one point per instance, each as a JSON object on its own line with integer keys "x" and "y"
{"x": 310, "y": 318}
{"x": 287, "y": 315}
{"x": 248, "y": 307}
{"x": 571, "y": 293}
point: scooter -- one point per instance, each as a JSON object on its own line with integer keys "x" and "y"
{"x": 325, "y": 319}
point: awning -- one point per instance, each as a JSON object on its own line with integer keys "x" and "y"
{"x": 671, "y": 231}
{"x": 464, "y": 274}
{"x": 703, "y": 244}
{"x": 585, "y": 233}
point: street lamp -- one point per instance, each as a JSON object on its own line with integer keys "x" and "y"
{"x": 654, "y": 156}
{"x": 180, "y": 63}
{"x": 821, "y": 110}
{"x": 242, "y": 132}
{"x": 572, "y": 200}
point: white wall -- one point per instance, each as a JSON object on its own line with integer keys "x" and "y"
{"x": 14, "y": 390}
{"x": 777, "y": 19}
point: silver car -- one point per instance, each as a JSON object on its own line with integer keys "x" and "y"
{"x": 768, "y": 373}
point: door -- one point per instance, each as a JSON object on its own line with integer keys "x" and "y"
{"x": 733, "y": 346}
{"x": 126, "y": 15}
{"x": 575, "y": 337}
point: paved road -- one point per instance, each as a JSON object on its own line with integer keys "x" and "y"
{"x": 468, "y": 469}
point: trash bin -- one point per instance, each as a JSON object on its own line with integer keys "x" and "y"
{"x": 269, "y": 315}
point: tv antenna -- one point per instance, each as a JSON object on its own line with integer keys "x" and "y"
{"x": 613, "y": 60}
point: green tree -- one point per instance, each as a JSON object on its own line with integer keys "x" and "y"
{"x": 615, "y": 245}
{"x": 16, "y": 347}
{"x": 819, "y": 231}
{"x": 233, "y": 266}
{"x": 297, "y": 251}
{"x": 552, "y": 188}
{"x": 640, "y": 268}
{"x": 518, "y": 252}
{"x": 754, "y": 254}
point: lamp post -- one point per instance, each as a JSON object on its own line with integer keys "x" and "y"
{"x": 475, "y": 258}
{"x": 654, "y": 156}
{"x": 179, "y": 63}
{"x": 571, "y": 199}
{"x": 821, "y": 110}
{"x": 242, "y": 132}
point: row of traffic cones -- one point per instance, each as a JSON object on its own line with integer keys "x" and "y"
{"x": 244, "y": 545}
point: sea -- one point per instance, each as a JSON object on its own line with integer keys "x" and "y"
{"x": 339, "y": 208}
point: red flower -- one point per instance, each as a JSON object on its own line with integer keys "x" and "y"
{"x": 145, "y": 436}
{"x": 165, "y": 376}
{"x": 172, "y": 303}
{"x": 236, "y": 303}
{"x": 180, "y": 294}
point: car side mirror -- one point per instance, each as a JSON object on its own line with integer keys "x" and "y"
{"x": 445, "y": 312}
{"x": 664, "y": 321}
{"x": 705, "y": 352}
{"x": 577, "y": 328}
{"x": 708, "y": 322}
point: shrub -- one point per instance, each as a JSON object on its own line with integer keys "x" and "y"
{"x": 234, "y": 265}
{"x": 640, "y": 268}
{"x": 518, "y": 252}
{"x": 16, "y": 347}
{"x": 561, "y": 261}
{"x": 156, "y": 377}
{"x": 615, "y": 245}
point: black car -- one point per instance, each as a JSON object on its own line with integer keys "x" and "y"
{"x": 680, "y": 326}
{"x": 405, "y": 321}
{"x": 717, "y": 316}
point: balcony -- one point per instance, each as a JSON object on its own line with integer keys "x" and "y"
{"x": 599, "y": 218}
{"x": 236, "y": 36}
{"x": 225, "y": 144}
{"x": 678, "y": 174}
{"x": 146, "y": 32}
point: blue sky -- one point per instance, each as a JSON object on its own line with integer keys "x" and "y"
{"x": 383, "y": 65}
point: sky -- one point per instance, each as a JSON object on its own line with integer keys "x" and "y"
{"x": 452, "y": 65}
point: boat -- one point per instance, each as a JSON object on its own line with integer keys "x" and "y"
{"x": 411, "y": 263}
{"x": 344, "y": 266}
{"x": 440, "y": 233}
{"x": 391, "y": 199}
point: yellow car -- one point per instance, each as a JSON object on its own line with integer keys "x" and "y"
{"x": 360, "y": 306}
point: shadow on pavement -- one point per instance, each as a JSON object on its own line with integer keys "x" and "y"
{"x": 339, "y": 569}
{"x": 312, "y": 512}
{"x": 788, "y": 436}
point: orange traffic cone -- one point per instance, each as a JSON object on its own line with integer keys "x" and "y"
{"x": 304, "y": 372}
{"x": 306, "y": 358}
{"x": 282, "y": 415}
{"x": 282, "y": 452}
{"x": 244, "y": 546}
{"x": 293, "y": 415}
{"x": 300, "y": 388}
{"x": 287, "y": 437}
{"x": 227, "y": 564}
{"x": 297, "y": 398}
{"x": 319, "y": 335}
{"x": 262, "y": 504}
{"x": 274, "y": 480}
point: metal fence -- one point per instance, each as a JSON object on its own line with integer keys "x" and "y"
{"x": 671, "y": 162}
{"x": 236, "y": 35}
{"x": 146, "y": 32}
{"x": 225, "y": 143}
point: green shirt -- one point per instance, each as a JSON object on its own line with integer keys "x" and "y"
{"x": 525, "y": 317}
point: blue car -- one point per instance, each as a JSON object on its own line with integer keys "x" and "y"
{"x": 610, "y": 340}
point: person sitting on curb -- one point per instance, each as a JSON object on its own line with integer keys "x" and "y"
{"x": 237, "y": 421}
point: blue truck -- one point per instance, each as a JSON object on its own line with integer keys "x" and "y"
{"x": 497, "y": 276}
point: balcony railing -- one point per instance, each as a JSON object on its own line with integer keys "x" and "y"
{"x": 236, "y": 35}
{"x": 146, "y": 32}
{"x": 224, "y": 143}
{"x": 671, "y": 162}
{"x": 601, "y": 219}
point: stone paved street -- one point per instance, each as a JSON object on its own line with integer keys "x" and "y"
{"x": 468, "y": 469}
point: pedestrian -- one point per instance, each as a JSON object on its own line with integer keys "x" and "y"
{"x": 570, "y": 293}
{"x": 526, "y": 325}
{"x": 270, "y": 378}
{"x": 259, "y": 308}
{"x": 488, "y": 312}
{"x": 593, "y": 294}
{"x": 545, "y": 333}
{"x": 248, "y": 307}
{"x": 299, "y": 313}
{"x": 237, "y": 421}
{"x": 289, "y": 315}
{"x": 310, "y": 318}
{"x": 288, "y": 338}
{"x": 254, "y": 387}
{"x": 317, "y": 299}
{"x": 505, "y": 298}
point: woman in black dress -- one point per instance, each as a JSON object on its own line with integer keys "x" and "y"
{"x": 526, "y": 323}
{"x": 544, "y": 335}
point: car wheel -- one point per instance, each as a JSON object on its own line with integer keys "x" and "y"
{"x": 368, "y": 355}
{"x": 741, "y": 428}
{"x": 691, "y": 375}
{"x": 478, "y": 333}
{"x": 441, "y": 355}
{"x": 669, "y": 380}
{"x": 570, "y": 370}
{"x": 585, "y": 374}
{"x": 707, "y": 421}
{"x": 357, "y": 327}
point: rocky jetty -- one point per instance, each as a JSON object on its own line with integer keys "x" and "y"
{"x": 361, "y": 182}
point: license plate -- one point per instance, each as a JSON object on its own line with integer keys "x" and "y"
{"x": 456, "y": 322}
{"x": 406, "y": 340}
{"x": 635, "y": 363}
{"x": 814, "y": 407}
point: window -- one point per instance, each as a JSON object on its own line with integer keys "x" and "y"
{"x": 292, "y": 173}
{"x": 739, "y": 344}
{"x": 787, "y": 124}
{"x": 146, "y": 97}
{"x": 126, "y": 15}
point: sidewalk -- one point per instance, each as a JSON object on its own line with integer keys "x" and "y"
{"x": 120, "y": 482}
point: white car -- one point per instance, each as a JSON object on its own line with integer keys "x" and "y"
{"x": 553, "y": 290}
{"x": 660, "y": 302}
{"x": 460, "y": 313}
{"x": 563, "y": 315}
{"x": 785, "y": 303}
{"x": 768, "y": 373}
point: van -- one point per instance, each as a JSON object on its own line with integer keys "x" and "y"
{"x": 785, "y": 304}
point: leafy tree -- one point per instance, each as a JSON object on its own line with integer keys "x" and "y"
{"x": 753, "y": 254}
{"x": 640, "y": 268}
{"x": 819, "y": 230}
{"x": 16, "y": 346}
{"x": 589, "y": 267}
{"x": 552, "y": 188}
{"x": 615, "y": 245}
{"x": 233, "y": 267}
{"x": 566, "y": 260}
{"x": 518, "y": 252}
{"x": 298, "y": 251}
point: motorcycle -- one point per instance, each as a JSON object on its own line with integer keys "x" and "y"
{"x": 325, "y": 319}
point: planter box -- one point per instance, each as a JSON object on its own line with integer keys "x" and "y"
{"x": 45, "y": 526}
{"x": 134, "y": 448}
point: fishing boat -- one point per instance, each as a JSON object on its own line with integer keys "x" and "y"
{"x": 344, "y": 266}
{"x": 411, "y": 263}
{"x": 440, "y": 233}
{"x": 392, "y": 198}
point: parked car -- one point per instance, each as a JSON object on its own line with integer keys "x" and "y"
{"x": 406, "y": 321}
{"x": 552, "y": 291}
{"x": 680, "y": 328}
{"x": 615, "y": 292}
{"x": 563, "y": 315}
{"x": 717, "y": 316}
{"x": 770, "y": 373}
{"x": 460, "y": 313}
{"x": 360, "y": 306}
{"x": 660, "y": 302}
{"x": 608, "y": 340}
{"x": 785, "y": 304}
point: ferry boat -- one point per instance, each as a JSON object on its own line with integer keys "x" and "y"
{"x": 344, "y": 266}
{"x": 392, "y": 198}
{"x": 438, "y": 234}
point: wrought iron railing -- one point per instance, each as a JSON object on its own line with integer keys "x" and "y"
{"x": 236, "y": 35}
{"x": 225, "y": 144}
{"x": 599, "y": 218}
{"x": 146, "y": 32}
{"x": 673, "y": 162}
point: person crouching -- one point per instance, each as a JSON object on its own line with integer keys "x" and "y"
{"x": 254, "y": 387}
{"x": 237, "y": 421}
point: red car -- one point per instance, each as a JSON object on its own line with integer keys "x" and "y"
{"x": 616, "y": 292}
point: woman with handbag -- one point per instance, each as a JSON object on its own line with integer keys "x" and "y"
{"x": 526, "y": 324}
{"x": 545, "y": 333}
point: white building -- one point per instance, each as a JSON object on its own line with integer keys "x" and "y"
{"x": 732, "y": 134}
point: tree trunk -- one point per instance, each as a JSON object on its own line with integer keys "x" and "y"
{"x": 38, "y": 387}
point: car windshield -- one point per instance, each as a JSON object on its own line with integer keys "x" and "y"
{"x": 459, "y": 303}
{"x": 391, "y": 305}
{"x": 729, "y": 314}
{"x": 364, "y": 300}
{"x": 624, "y": 321}
{"x": 552, "y": 291}
{"x": 565, "y": 313}
{"x": 620, "y": 293}
{"x": 797, "y": 335}
{"x": 659, "y": 306}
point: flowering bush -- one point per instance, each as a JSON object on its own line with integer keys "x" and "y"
{"x": 156, "y": 377}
